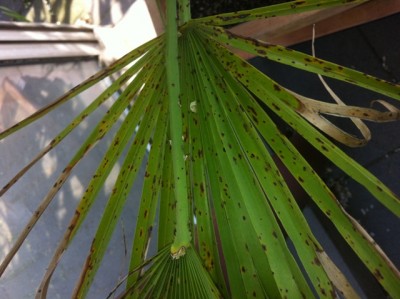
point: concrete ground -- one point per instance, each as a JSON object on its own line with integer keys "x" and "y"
{"x": 29, "y": 87}
{"x": 23, "y": 90}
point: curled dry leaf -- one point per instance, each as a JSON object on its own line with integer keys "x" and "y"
{"x": 313, "y": 111}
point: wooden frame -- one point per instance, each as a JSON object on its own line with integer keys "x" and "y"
{"x": 290, "y": 30}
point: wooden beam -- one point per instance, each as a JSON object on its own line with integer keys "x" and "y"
{"x": 364, "y": 13}
{"x": 290, "y": 30}
{"x": 267, "y": 29}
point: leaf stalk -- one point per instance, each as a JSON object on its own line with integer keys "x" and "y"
{"x": 182, "y": 232}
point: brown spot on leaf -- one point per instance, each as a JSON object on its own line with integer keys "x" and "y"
{"x": 276, "y": 106}
{"x": 201, "y": 187}
{"x": 253, "y": 111}
{"x": 378, "y": 274}
{"x": 324, "y": 149}
{"x": 316, "y": 261}
{"x": 261, "y": 52}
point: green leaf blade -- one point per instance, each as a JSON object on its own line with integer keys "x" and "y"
{"x": 281, "y": 9}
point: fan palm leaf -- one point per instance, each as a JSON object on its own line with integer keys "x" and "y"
{"x": 213, "y": 186}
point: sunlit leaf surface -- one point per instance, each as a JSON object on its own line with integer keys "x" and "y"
{"x": 213, "y": 185}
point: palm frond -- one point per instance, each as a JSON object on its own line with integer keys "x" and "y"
{"x": 212, "y": 184}
{"x": 270, "y": 11}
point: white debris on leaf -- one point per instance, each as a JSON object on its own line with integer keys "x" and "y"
{"x": 193, "y": 106}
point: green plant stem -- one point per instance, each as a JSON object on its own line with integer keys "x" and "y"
{"x": 182, "y": 232}
{"x": 184, "y": 11}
